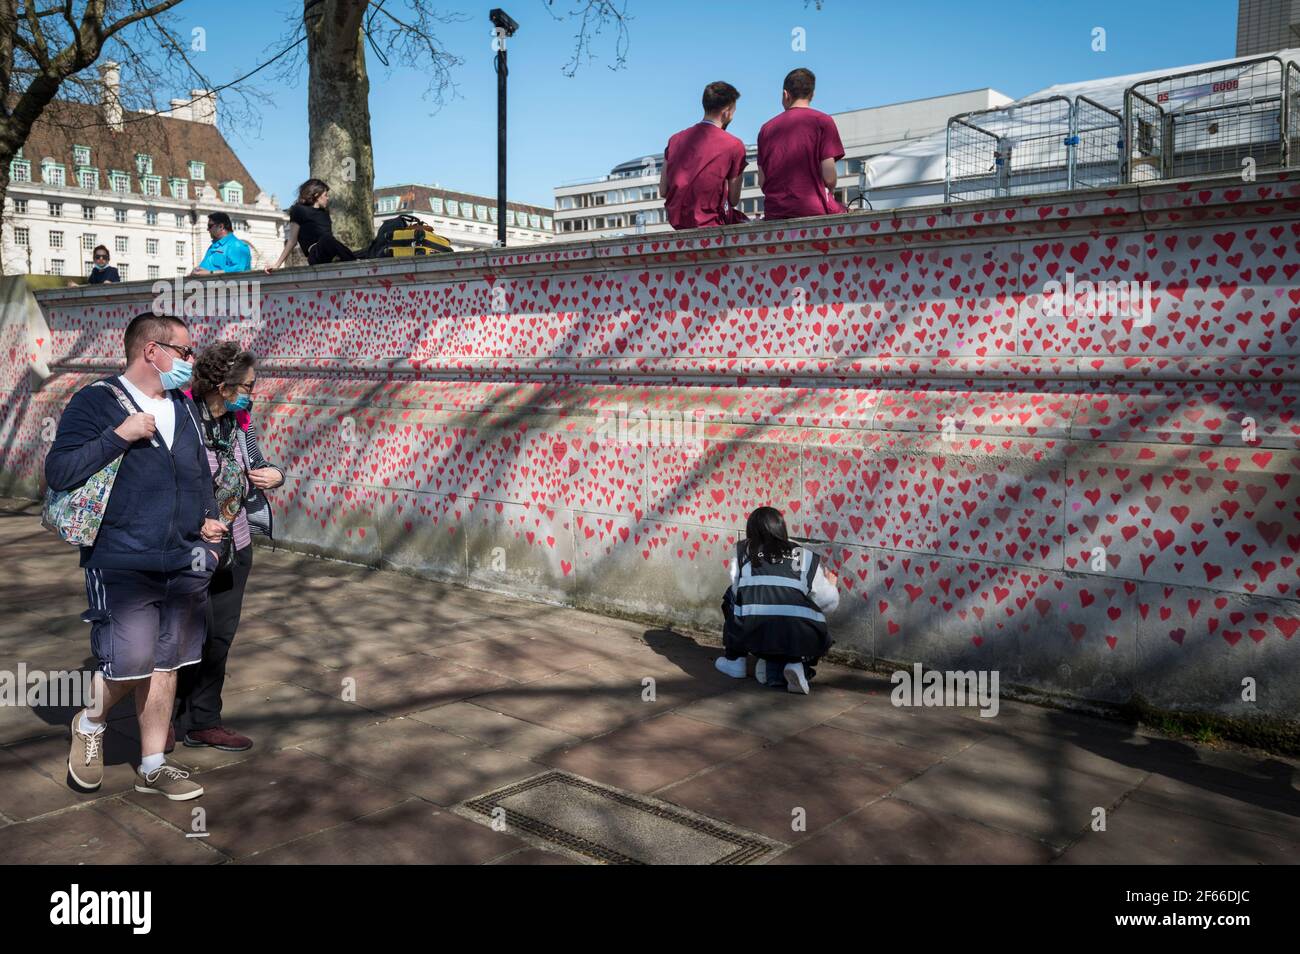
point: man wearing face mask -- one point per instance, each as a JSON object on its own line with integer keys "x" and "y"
{"x": 147, "y": 572}
{"x": 704, "y": 166}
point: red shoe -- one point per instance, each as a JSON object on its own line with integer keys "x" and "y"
{"x": 171, "y": 739}
{"x": 218, "y": 737}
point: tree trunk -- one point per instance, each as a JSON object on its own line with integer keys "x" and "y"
{"x": 338, "y": 115}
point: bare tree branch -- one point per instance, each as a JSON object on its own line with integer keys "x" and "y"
{"x": 593, "y": 18}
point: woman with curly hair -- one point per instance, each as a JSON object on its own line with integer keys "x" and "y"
{"x": 224, "y": 380}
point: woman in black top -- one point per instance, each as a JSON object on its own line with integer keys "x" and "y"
{"x": 309, "y": 226}
{"x": 102, "y": 271}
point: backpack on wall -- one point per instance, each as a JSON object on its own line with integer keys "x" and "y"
{"x": 405, "y": 235}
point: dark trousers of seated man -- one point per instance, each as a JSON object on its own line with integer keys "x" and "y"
{"x": 733, "y": 647}
{"x": 199, "y": 689}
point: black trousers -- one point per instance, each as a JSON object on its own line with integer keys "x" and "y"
{"x": 199, "y": 687}
{"x": 329, "y": 249}
{"x": 733, "y": 646}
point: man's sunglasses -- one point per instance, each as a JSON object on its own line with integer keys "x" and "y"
{"x": 101, "y": 258}
{"x": 185, "y": 352}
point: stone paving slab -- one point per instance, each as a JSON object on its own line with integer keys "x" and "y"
{"x": 459, "y": 693}
{"x": 413, "y": 832}
{"x": 891, "y": 831}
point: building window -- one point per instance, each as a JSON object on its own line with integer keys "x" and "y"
{"x": 180, "y": 271}
{"x": 56, "y": 266}
{"x": 546, "y": 222}
{"x": 510, "y": 216}
{"x": 564, "y": 202}
{"x": 453, "y": 207}
{"x": 23, "y": 237}
{"x": 151, "y": 247}
{"x": 150, "y": 217}
{"x": 180, "y": 221}
{"x": 151, "y": 185}
{"x": 20, "y": 206}
{"x": 119, "y": 181}
{"x": 88, "y": 213}
{"x": 56, "y": 210}
{"x": 81, "y": 155}
{"x": 241, "y": 225}
{"x": 179, "y": 188}
{"x": 121, "y": 244}
{"x": 119, "y": 215}
{"x": 154, "y": 271}
{"x": 88, "y": 242}
{"x": 197, "y": 170}
{"x": 535, "y": 221}
{"x": 387, "y": 203}
{"x": 492, "y": 213}
{"x": 435, "y": 205}
{"x": 52, "y": 173}
{"x": 20, "y": 170}
{"x": 87, "y": 267}
{"x": 232, "y": 192}
{"x": 481, "y": 212}
{"x": 180, "y": 249}
{"x": 88, "y": 178}
{"x": 143, "y": 164}
{"x": 123, "y": 270}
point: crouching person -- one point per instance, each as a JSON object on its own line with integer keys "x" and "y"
{"x": 780, "y": 595}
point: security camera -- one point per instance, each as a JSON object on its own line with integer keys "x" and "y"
{"x": 503, "y": 21}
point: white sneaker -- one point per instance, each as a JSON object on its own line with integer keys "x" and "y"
{"x": 760, "y": 671}
{"x": 735, "y": 668}
{"x": 795, "y": 678}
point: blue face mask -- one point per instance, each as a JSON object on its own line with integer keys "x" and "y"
{"x": 241, "y": 403}
{"x": 178, "y": 376}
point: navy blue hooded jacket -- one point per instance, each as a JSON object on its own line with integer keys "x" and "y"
{"x": 160, "y": 497}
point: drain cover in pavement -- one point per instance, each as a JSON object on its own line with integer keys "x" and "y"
{"x": 618, "y": 827}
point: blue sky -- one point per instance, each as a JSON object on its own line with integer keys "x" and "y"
{"x": 865, "y": 53}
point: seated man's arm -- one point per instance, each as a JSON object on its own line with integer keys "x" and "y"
{"x": 733, "y": 190}
{"x": 829, "y": 175}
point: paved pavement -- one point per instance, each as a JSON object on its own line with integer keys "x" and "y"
{"x": 399, "y": 720}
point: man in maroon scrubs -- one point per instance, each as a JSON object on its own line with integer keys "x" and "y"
{"x": 704, "y": 166}
{"x": 797, "y": 151}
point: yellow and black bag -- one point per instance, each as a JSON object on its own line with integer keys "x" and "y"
{"x": 405, "y": 235}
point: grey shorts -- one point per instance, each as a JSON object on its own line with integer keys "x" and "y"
{"x": 142, "y": 622}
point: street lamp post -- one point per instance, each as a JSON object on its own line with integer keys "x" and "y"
{"x": 503, "y": 27}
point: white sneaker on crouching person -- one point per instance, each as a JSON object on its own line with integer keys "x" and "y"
{"x": 796, "y": 680}
{"x": 735, "y": 668}
{"x": 760, "y": 671}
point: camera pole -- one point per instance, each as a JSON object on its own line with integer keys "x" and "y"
{"x": 504, "y": 27}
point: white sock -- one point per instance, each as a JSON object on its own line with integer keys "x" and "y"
{"x": 84, "y": 724}
{"x": 151, "y": 763}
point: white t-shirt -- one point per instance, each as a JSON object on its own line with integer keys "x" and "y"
{"x": 163, "y": 410}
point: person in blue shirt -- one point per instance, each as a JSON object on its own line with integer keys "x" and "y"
{"x": 227, "y": 253}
